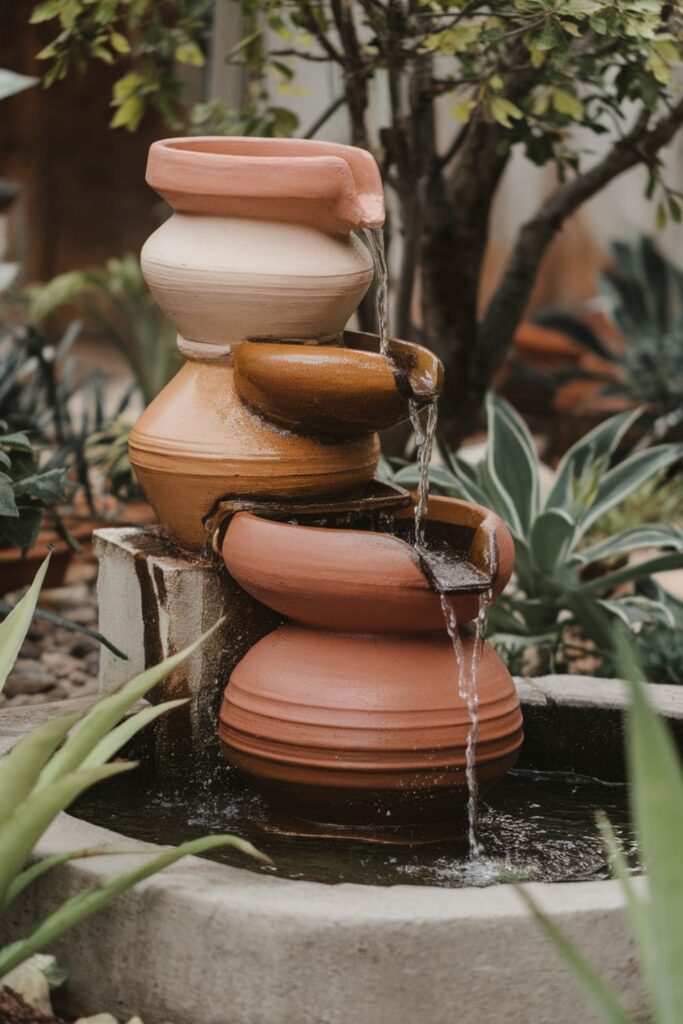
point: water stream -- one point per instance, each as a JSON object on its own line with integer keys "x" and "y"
{"x": 423, "y": 417}
{"x": 374, "y": 238}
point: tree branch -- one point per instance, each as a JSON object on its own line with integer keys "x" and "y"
{"x": 324, "y": 117}
{"x": 638, "y": 146}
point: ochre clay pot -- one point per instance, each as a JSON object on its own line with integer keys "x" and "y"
{"x": 260, "y": 247}
{"x": 353, "y": 715}
{"x": 360, "y": 580}
{"x": 335, "y": 391}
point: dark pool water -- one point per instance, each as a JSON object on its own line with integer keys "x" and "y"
{"x": 534, "y": 826}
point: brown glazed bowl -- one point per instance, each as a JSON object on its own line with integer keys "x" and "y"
{"x": 362, "y": 581}
{"x": 366, "y": 730}
{"x": 335, "y": 391}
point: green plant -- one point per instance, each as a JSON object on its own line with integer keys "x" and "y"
{"x": 107, "y": 450}
{"x": 27, "y": 491}
{"x": 514, "y": 74}
{"x": 116, "y": 301}
{"x": 556, "y": 563}
{"x": 655, "y": 779}
{"x": 644, "y": 294}
{"x": 50, "y": 767}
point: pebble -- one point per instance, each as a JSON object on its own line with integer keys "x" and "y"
{"x": 61, "y": 664}
{"x": 30, "y": 981}
{"x": 29, "y": 676}
{"x": 98, "y": 1018}
{"x": 54, "y": 662}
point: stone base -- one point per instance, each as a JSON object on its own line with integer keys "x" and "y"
{"x": 154, "y": 600}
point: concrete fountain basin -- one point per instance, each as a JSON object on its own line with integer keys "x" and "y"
{"x": 206, "y": 943}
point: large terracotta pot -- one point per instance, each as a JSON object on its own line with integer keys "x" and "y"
{"x": 260, "y": 250}
{"x": 352, "y": 716}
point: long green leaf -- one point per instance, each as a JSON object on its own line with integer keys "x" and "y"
{"x": 124, "y": 732}
{"x": 638, "y": 571}
{"x": 110, "y": 710}
{"x": 626, "y": 477}
{"x": 598, "y": 444}
{"x": 21, "y": 831}
{"x": 20, "y": 769}
{"x": 656, "y": 782}
{"x": 637, "y": 911}
{"x": 598, "y": 991}
{"x": 647, "y": 535}
{"x": 14, "y": 628}
{"x": 512, "y": 459}
{"x": 551, "y": 539}
{"x": 86, "y": 903}
{"x": 41, "y": 867}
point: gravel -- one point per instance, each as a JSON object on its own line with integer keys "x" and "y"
{"x": 54, "y": 663}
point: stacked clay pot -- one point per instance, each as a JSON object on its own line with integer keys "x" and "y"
{"x": 259, "y": 270}
{"x": 348, "y": 717}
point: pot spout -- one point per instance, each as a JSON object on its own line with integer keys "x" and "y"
{"x": 335, "y": 391}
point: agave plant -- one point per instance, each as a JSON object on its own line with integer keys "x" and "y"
{"x": 644, "y": 294}
{"x": 555, "y": 562}
{"x": 655, "y": 778}
{"x": 53, "y": 765}
{"x": 115, "y": 299}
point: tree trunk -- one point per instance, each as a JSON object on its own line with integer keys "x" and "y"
{"x": 453, "y": 244}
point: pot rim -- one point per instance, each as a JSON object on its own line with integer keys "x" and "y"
{"x": 235, "y": 167}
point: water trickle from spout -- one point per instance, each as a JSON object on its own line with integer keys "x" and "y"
{"x": 375, "y": 242}
{"x": 424, "y": 420}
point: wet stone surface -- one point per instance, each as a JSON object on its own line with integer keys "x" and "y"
{"x": 55, "y": 663}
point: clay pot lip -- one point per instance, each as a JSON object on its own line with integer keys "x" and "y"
{"x": 263, "y": 168}
{"x": 385, "y": 552}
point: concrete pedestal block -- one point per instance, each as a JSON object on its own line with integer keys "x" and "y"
{"x": 154, "y": 600}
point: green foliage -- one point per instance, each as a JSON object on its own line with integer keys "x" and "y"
{"x": 117, "y": 302}
{"x": 644, "y": 292}
{"x": 557, "y": 565}
{"x": 107, "y": 450}
{"x": 27, "y": 491}
{"x": 50, "y": 767}
{"x": 656, "y": 795}
{"x": 154, "y": 37}
{"x": 580, "y": 59}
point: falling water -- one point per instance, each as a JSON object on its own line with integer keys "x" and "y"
{"x": 375, "y": 241}
{"x": 424, "y": 420}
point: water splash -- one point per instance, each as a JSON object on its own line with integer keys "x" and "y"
{"x": 374, "y": 238}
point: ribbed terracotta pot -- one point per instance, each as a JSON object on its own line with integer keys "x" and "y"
{"x": 260, "y": 255}
{"x": 352, "y": 715}
{"x": 366, "y": 730}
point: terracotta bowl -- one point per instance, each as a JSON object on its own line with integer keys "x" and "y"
{"x": 332, "y": 390}
{"x": 365, "y": 730}
{"x": 356, "y": 580}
